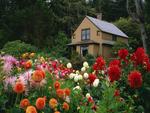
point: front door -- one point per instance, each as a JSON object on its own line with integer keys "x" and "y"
{"x": 84, "y": 50}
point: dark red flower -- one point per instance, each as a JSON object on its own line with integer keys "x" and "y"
{"x": 139, "y": 55}
{"x": 90, "y": 100}
{"x": 114, "y": 73}
{"x": 99, "y": 64}
{"x": 92, "y": 77}
{"x": 135, "y": 79}
{"x": 115, "y": 62}
{"x": 123, "y": 53}
{"x": 117, "y": 93}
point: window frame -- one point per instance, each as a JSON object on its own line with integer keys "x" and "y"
{"x": 87, "y": 35}
{"x": 98, "y": 33}
{"x": 114, "y": 37}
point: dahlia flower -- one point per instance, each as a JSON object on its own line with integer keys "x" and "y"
{"x": 123, "y": 53}
{"x": 85, "y": 64}
{"x": 9, "y": 81}
{"x": 69, "y": 65}
{"x": 86, "y": 75}
{"x": 31, "y": 109}
{"x": 114, "y": 73}
{"x": 135, "y": 79}
{"x": 24, "y": 103}
{"x": 40, "y": 103}
{"x": 96, "y": 82}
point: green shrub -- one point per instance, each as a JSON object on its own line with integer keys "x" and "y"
{"x": 60, "y": 45}
{"x": 16, "y": 48}
{"x": 77, "y": 60}
{"x": 90, "y": 59}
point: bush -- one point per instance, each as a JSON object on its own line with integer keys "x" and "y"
{"x": 16, "y": 48}
{"x": 76, "y": 60}
{"x": 132, "y": 29}
{"x": 90, "y": 59}
{"x": 60, "y": 45}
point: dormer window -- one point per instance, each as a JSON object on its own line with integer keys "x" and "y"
{"x": 85, "y": 34}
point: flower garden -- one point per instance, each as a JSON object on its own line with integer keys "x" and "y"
{"x": 31, "y": 84}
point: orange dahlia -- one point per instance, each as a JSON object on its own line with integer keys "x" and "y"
{"x": 31, "y": 109}
{"x": 38, "y": 75}
{"x": 53, "y": 103}
{"x": 67, "y": 91}
{"x": 40, "y": 103}
{"x": 28, "y": 64}
{"x": 60, "y": 93}
{"x": 19, "y": 87}
{"x": 56, "y": 112}
{"x": 24, "y": 103}
{"x": 57, "y": 85}
{"x": 65, "y": 106}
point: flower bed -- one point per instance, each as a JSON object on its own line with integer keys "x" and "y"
{"x": 42, "y": 85}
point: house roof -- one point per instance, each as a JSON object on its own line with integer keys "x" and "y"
{"x": 83, "y": 42}
{"x": 107, "y": 27}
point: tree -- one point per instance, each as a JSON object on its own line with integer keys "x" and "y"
{"x": 132, "y": 29}
{"x": 136, "y": 13}
{"x": 111, "y": 9}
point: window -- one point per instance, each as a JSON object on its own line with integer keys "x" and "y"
{"x": 114, "y": 38}
{"x": 84, "y": 50}
{"x": 98, "y": 33}
{"x": 85, "y": 34}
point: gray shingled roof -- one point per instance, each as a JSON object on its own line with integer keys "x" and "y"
{"x": 107, "y": 27}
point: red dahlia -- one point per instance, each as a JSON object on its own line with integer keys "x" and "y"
{"x": 115, "y": 62}
{"x": 92, "y": 77}
{"x": 99, "y": 64}
{"x": 123, "y": 53}
{"x": 135, "y": 79}
{"x": 114, "y": 73}
{"x": 140, "y": 55}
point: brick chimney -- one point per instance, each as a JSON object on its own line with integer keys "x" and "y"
{"x": 99, "y": 16}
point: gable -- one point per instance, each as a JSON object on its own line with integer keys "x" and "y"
{"x": 86, "y": 24}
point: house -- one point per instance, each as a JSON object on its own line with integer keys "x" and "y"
{"x": 96, "y": 37}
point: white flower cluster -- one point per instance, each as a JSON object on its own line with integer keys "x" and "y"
{"x": 85, "y": 66}
{"x": 77, "y": 88}
{"x": 69, "y": 65}
{"x": 88, "y": 95}
{"x": 96, "y": 83}
{"x": 78, "y": 77}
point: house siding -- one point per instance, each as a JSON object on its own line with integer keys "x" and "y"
{"x": 93, "y": 31}
{"x": 102, "y": 38}
{"x": 107, "y": 51}
{"x": 106, "y": 36}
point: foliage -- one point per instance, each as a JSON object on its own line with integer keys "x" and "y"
{"x": 90, "y": 59}
{"x": 111, "y": 9}
{"x": 132, "y": 30}
{"x": 60, "y": 48}
{"x": 17, "y": 48}
{"x": 90, "y": 90}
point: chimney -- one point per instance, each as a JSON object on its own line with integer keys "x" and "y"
{"x": 99, "y": 16}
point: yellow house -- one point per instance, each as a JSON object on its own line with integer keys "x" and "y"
{"x": 96, "y": 37}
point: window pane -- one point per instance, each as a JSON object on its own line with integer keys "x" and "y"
{"x": 85, "y": 34}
